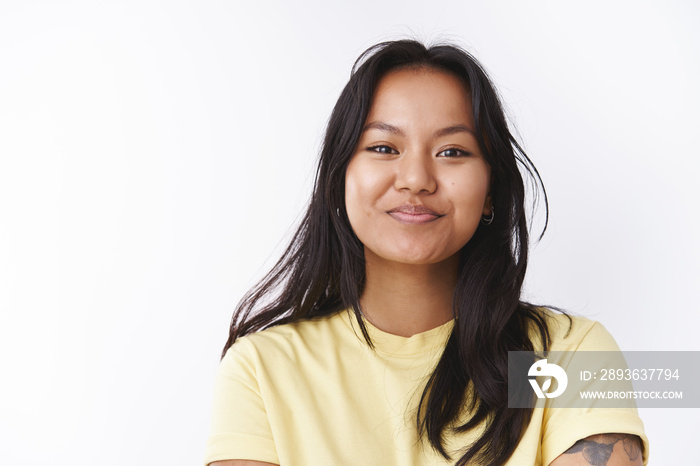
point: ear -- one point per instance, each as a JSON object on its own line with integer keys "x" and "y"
{"x": 488, "y": 204}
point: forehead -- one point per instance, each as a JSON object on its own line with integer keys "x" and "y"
{"x": 425, "y": 93}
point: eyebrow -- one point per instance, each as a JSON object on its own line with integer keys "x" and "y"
{"x": 386, "y": 127}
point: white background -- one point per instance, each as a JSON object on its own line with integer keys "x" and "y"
{"x": 155, "y": 154}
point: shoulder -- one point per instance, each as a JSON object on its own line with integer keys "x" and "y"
{"x": 576, "y": 333}
{"x": 573, "y": 425}
{"x": 277, "y": 361}
{"x": 290, "y": 341}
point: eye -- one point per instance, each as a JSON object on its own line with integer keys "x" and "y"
{"x": 453, "y": 152}
{"x": 382, "y": 149}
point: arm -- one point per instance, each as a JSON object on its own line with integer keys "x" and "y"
{"x": 603, "y": 450}
{"x": 240, "y": 463}
{"x": 240, "y": 427}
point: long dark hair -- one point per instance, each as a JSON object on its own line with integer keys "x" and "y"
{"x": 322, "y": 270}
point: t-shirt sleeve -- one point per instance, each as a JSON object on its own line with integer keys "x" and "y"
{"x": 239, "y": 425}
{"x": 562, "y": 427}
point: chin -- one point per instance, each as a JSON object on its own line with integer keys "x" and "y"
{"x": 416, "y": 259}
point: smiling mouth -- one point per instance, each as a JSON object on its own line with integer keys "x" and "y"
{"x": 413, "y": 214}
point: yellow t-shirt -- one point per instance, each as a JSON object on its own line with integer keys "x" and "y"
{"x": 314, "y": 393}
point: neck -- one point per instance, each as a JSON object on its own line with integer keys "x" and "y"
{"x": 406, "y": 299}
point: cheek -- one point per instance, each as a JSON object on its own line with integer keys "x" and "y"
{"x": 354, "y": 197}
{"x": 469, "y": 195}
{"x": 352, "y": 191}
{"x": 364, "y": 186}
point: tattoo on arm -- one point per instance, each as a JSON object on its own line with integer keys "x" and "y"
{"x": 597, "y": 449}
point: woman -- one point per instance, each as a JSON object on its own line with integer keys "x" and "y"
{"x": 381, "y": 336}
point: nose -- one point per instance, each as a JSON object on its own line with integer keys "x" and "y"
{"x": 415, "y": 174}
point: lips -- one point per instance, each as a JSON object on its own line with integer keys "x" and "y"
{"x": 413, "y": 214}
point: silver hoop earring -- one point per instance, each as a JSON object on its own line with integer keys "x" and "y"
{"x": 337, "y": 212}
{"x": 488, "y": 220}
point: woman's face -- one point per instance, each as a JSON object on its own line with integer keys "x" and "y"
{"x": 417, "y": 184}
